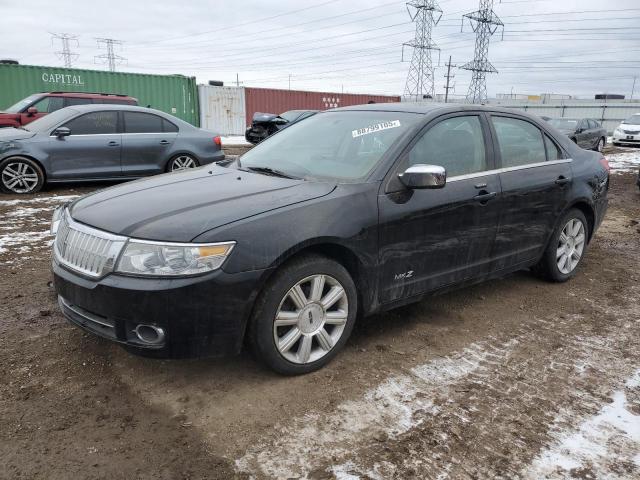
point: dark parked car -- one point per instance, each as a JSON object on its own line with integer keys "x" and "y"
{"x": 100, "y": 142}
{"x": 40, "y": 104}
{"x": 354, "y": 211}
{"x": 266, "y": 124}
{"x": 585, "y": 132}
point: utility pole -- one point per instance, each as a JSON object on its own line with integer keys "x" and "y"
{"x": 448, "y": 76}
{"x": 110, "y": 57}
{"x": 420, "y": 76}
{"x": 66, "y": 53}
{"x": 484, "y": 23}
{"x": 633, "y": 89}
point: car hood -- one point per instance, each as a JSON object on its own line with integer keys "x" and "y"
{"x": 629, "y": 126}
{"x": 9, "y": 134}
{"x": 179, "y": 206}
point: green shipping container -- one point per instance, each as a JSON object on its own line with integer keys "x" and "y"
{"x": 174, "y": 94}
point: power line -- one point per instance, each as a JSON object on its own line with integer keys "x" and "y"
{"x": 110, "y": 57}
{"x": 66, "y": 54}
{"x": 484, "y": 23}
{"x": 420, "y": 76}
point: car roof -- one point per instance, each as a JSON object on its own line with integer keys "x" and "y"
{"x": 430, "y": 108}
{"x": 89, "y": 95}
{"x": 95, "y": 107}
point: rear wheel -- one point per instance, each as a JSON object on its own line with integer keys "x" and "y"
{"x": 304, "y": 316}
{"x": 600, "y": 145}
{"x": 20, "y": 175}
{"x": 182, "y": 162}
{"x": 566, "y": 249}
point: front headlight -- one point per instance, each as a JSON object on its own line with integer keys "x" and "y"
{"x": 172, "y": 259}
{"x": 55, "y": 220}
{"x": 617, "y": 131}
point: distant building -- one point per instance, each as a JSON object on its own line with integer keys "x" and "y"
{"x": 609, "y": 96}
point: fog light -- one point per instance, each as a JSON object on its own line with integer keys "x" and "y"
{"x": 149, "y": 334}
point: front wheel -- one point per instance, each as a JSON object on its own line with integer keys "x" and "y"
{"x": 20, "y": 175}
{"x": 304, "y": 316}
{"x": 182, "y": 162}
{"x": 566, "y": 249}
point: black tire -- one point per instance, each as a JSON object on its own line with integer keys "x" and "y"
{"x": 181, "y": 157}
{"x": 547, "y": 268}
{"x": 33, "y": 175}
{"x": 260, "y": 332}
{"x": 601, "y": 141}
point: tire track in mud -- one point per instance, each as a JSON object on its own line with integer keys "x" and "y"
{"x": 482, "y": 412}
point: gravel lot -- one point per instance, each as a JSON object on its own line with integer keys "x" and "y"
{"x": 515, "y": 378}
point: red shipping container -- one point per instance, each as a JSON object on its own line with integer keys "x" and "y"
{"x": 269, "y": 100}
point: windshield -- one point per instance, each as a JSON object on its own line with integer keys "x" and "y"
{"x": 51, "y": 121}
{"x": 333, "y": 145}
{"x": 564, "y": 123}
{"x": 18, "y": 107}
{"x": 633, "y": 120}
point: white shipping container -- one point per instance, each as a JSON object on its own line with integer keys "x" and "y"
{"x": 222, "y": 109}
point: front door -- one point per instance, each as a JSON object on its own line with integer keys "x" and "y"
{"x": 91, "y": 151}
{"x": 433, "y": 238}
{"x": 535, "y": 179}
{"x": 146, "y": 143}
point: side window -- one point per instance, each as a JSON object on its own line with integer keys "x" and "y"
{"x": 138, "y": 122}
{"x": 94, "y": 123}
{"x": 520, "y": 142}
{"x": 594, "y": 124}
{"x": 49, "y": 104}
{"x": 167, "y": 126}
{"x": 457, "y": 144}
{"x": 553, "y": 151}
{"x": 71, "y": 101}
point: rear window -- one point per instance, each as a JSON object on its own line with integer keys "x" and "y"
{"x": 72, "y": 101}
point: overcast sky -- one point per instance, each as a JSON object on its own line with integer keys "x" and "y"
{"x": 572, "y": 47}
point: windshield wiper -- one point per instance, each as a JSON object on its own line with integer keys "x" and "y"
{"x": 272, "y": 171}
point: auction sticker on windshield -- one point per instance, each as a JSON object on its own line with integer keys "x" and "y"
{"x": 375, "y": 128}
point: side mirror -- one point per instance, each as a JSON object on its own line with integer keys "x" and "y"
{"x": 62, "y": 132}
{"x": 424, "y": 176}
{"x": 31, "y": 111}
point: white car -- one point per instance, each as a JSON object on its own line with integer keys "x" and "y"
{"x": 628, "y": 131}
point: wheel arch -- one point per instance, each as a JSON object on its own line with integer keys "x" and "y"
{"x": 589, "y": 212}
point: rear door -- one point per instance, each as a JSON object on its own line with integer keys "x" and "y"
{"x": 433, "y": 238}
{"x": 146, "y": 143}
{"x": 583, "y": 134}
{"x": 91, "y": 151}
{"x": 535, "y": 178}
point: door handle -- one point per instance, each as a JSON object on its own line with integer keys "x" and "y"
{"x": 484, "y": 196}
{"x": 164, "y": 142}
{"x": 562, "y": 180}
{"x": 113, "y": 143}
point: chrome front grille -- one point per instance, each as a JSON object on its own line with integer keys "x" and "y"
{"x": 86, "y": 250}
{"x": 631, "y": 132}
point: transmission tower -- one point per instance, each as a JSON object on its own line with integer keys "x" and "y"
{"x": 484, "y": 23}
{"x": 66, "y": 53}
{"x": 110, "y": 57}
{"x": 420, "y": 77}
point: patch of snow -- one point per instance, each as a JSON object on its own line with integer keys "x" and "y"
{"x": 55, "y": 199}
{"x": 610, "y": 436}
{"x": 624, "y": 162}
{"x": 234, "y": 140}
{"x": 390, "y": 409}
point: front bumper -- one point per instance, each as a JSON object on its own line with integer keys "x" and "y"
{"x": 633, "y": 139}
{"x": 200, "y": 316}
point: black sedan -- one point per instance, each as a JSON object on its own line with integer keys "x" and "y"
{"x": 351, "y": 212}
{"x": 585, "y": 132}
{"x": 264, "y": 125}
{"x": 100, "y": 142}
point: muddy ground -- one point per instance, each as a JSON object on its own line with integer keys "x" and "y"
{"x": 515, "y": 378}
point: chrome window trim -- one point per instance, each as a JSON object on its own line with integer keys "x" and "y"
{"x": 507, "y": 169}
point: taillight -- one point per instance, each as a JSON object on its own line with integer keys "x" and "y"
{"x": 217, "y": 141}
{"x": 605, "y": 163}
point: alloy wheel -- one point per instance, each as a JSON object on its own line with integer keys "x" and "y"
{"x": 183, "y": 162}
{"x": 310, "y": 319}
{"x": 600, "y": 145}
{"x": 570, "y": 246}
{"x": 19, "y": 177}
